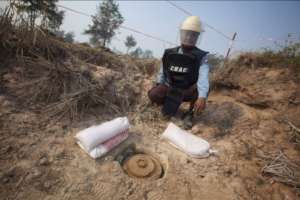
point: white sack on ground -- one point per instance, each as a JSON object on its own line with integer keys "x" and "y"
{"x": 106, "y": 146}
{"x": 91, "y": 137}
{"x": 190, "y": 144}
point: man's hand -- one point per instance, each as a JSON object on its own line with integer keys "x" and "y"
{"x": 199, "y": 105}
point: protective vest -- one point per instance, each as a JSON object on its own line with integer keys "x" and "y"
{"x": 181, "y": 70}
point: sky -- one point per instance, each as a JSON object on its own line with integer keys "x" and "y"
{"x": 257, "y": 23}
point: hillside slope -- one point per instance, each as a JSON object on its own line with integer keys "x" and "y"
{"x": 50, "y": 90}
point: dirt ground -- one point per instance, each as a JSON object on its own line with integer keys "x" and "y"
{"x": 45, "y": 163}
{"x": 247, "y": 120}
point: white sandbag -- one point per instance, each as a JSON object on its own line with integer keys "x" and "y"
{"x": 106, "y": 146}
{"x": 91, "y": 137}
{"x": 190, "y": 144}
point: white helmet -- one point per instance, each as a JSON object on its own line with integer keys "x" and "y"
{"x": 192, "y": 23}
{"x": 190, "y": 31}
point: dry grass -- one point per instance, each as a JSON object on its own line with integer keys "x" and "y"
{"x": 295, "y": 133}
{"x": 44, "y": 72}
{"x": 63, "y": 89}
{"x": 283, "y": 170}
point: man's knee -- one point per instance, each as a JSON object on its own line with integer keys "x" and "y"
{"x": 157, "y": 94}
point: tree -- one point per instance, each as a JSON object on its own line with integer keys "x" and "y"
{"x": 69, "y": 37}
{"x": 130, "y": 42}
{"x": 137, "y": 53}
{"x": 47, "y": 11}
{"x": 104, "y": 24}
{"x": 147, "y": 54}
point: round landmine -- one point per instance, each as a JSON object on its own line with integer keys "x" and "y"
{"x": 143, "y": 166}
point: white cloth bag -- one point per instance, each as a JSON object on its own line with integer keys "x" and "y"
{"x": 106, "y": 146}
{"x": 93, "y": 136}
{"x": 190, "y": 144}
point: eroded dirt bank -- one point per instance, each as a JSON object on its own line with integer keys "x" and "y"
{"x": 247, "y": 120}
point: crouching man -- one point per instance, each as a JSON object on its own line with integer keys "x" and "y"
{"x": 184, "y": 75}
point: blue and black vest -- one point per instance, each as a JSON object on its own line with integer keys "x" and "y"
{"x": 181, "y": 70}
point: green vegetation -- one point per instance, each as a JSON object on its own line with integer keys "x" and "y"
{"x": 140, "y": 53}
{"x": 130, "y": 42}
{"x": 32, "y": 10}
{"x": 287, "y": 55}
{"x": 66, "y": 36}
{"x": 105, "y": 23}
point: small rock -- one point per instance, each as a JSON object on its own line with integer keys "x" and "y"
{"x": 2, "y": 99}
{"x": 7, "y": 77}
{"x": 5, "y": 180}
{"x": 47, "y": 185}
{"x": 129, "y": 192}
{"x": 109, "y": 158}
{"x": 11, "y": 172}
{"x": 136, "y": 77}
{"x": 228, "y": 171}
{"x": 8, "y": 148}
{"x": 6, "y": 103}
{"x": 44, "y": 161}
{"x": 201, "y": 175}
{"x": 35, "y": 173}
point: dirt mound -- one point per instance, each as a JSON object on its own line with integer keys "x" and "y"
{"x": 259, "y": 82}
{"x": 222, "y": 116}
{"x": 68, "y": 79}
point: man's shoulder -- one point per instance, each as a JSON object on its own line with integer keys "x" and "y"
{"x": 200, "y": 51}
{"x": 173, "y": 49}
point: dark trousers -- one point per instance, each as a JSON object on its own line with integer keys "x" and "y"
{"x": 158, "y": 93}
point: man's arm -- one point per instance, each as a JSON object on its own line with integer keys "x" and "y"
{"x": 203, "y": 79}
{"x": 202, "y": 86}
{"x": 160, "y": 76}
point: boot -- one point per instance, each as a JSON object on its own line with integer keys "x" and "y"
{"x": 188, "y": 119}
